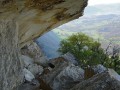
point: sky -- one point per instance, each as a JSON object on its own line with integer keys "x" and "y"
{"x": 96, "y": 2}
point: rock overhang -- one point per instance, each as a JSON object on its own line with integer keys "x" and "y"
{"x": 35, "y": 17}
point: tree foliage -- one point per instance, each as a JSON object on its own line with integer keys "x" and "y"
{"x": 89, "y": 52}
{"x": 84, "y": 48}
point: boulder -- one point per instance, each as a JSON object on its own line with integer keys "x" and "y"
{"x": 43, "y": 61}
{"x": 29, "y": 86}
{"x": 28, "y": 75}
{"x": 57, "y": 61}
{"x": 91, "y": 71}
{"x": 60, "y": 64}
{"x": 99, "y": 69}
{"x": 35, "y": 69}
{"x": 108, "y": 80}
{"x": 31, "y": 66}
{"x": 66, "y": 79}
{"x": 33, "y": 51}
{"x": 64, "y": 75}
{"x": 69, "y": 57}
{"x": 26, "y": 60}
{"x": 114, "y": 74}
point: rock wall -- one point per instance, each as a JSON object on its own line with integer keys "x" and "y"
{"x": 10, "y": 65}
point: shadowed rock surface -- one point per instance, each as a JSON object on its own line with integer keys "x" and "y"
{"x": 64, "y": 76}
{"x": 69, "y": 57}
{"x": 108, "y": 80}
{"x": 32, "y": 51}
{"x": 10, "y": 64}
{"x": 35, "y": 17}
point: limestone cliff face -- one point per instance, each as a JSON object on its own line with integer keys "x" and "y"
{"x": 36, "y": 17}
{"x": 10, "y": 65}
{"x": 33, "y": 18}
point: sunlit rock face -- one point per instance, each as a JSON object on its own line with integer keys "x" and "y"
{"x": 36, "y": 17}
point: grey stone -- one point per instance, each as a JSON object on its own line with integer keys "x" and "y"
{"x": 93, "y": 70}
{"x": 64, "y": 76}
{"x": 26, "y": 60}
{"x": 69, "y": 57}
{"x": 34, "y": 85}
{"x": 10, "y": 64}
{"x": 99, "y": 69}
{"x": 35, "y": 69}
{"x": 33, "y": 51}
{"x": 68, "y": 78}
{"x": 28, "y": 75}
{"x": 108, "y": 80}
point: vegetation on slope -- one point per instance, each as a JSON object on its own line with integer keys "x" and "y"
{"x": 89, "y": 52}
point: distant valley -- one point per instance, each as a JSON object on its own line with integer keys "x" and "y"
{"x": 103, "y": 27}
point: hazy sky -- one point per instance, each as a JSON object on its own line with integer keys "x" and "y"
{"x": 95, "y": 2}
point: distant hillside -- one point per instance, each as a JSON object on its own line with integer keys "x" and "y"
{"x": 102, "y": 9}
{"x": 104, "y": 27}
{"x": 49, "y": 43}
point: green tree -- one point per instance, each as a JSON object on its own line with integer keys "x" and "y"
{"x": 85, "y": 49}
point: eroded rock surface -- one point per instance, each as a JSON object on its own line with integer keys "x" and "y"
{"x": 36, "y": 17}
{"x": 26, "y": 61}
{"x": 28, "y": 75}
{"x": 10, "y": 64}
{"x": 69, "y": 57}
{"x": 32, "y": 50}
{"x": 64, "y": 76}
{"x": 67, "y": 78}
{"x": 93, "y": 70}
{"x": 35, "y": 69}
{"x": 30, "y": 86}
{"x": 108, "y": 80}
